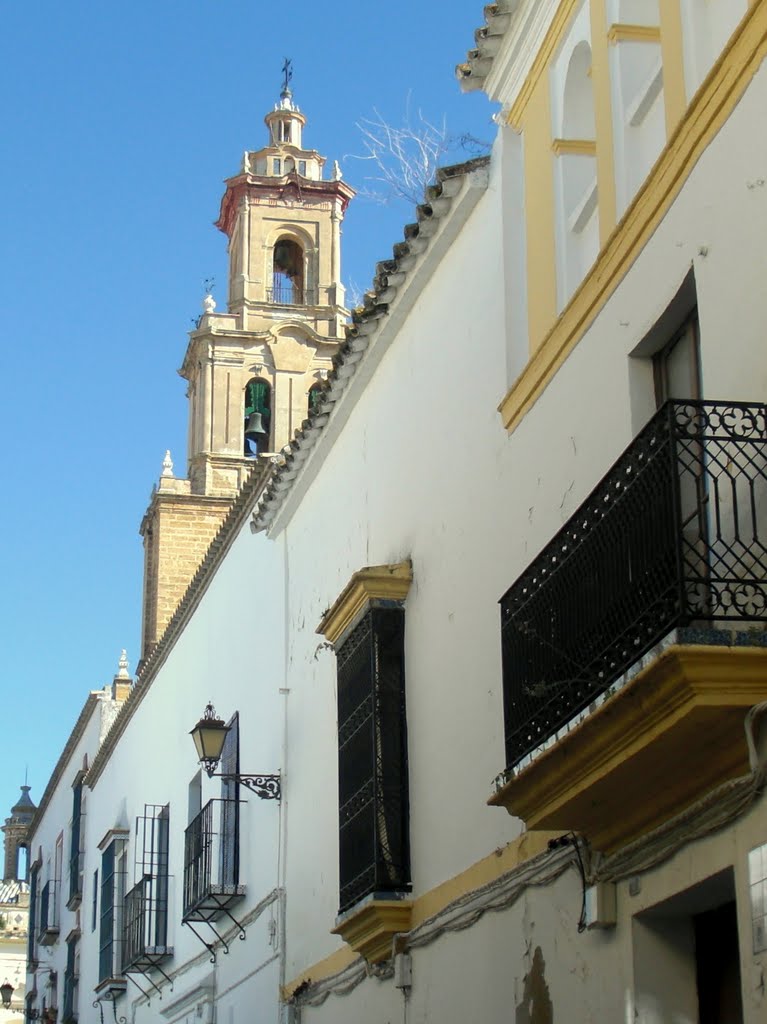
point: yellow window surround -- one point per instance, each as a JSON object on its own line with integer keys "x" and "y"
{"x": 374, "y": 582}
{"x": 711, "y": 107}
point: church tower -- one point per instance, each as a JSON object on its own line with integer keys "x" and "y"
{"x": 15, "y": 829}
{"x": 254, "y": 371}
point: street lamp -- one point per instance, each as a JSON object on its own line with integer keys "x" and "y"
{"x": 6, "y": 991}
{"x": 209, "y": 736}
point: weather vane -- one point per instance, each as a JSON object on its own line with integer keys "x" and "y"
{"x": 287, "y": 71}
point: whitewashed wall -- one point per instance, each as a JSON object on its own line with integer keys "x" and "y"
{"x": 230, "y": 653}
{"x": 423, "y": 469}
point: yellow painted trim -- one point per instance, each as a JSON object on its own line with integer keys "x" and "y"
{"x": 690, "y": 701}
{"x": 506, "y": 858}
{"x": 543, "y": 58}
{"x": 501, "y": 861}
{"x": 713, "y": 104}
{"x": 603, "y": 117}
{"x": 541, "y": 255}
{"x": 384, "y": 582}
{"x": 622, "y": 33}
{"x": 326, "y": 968}
{"x": 371, "y": 927}
{"x": 574, "y": 147}
{"x": 672, "y": 53}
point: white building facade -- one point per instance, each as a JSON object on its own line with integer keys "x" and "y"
{"x": 597, "y": 279}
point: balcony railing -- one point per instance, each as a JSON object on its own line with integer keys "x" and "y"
{"x": 289, "y": 295}
{"x": 675, "y": 534}
{"x": 145, "y": 925}
{"x": 212, "y": 861}
{"x": 49, "y": 913}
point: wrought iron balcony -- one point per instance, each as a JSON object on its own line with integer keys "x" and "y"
{"x": 212, "y": 861}
{"x": 49, "y": 914}
{"x": 145, "y": 925}
{"x": 289, "y": 295}
{"x": 674, "y": 535}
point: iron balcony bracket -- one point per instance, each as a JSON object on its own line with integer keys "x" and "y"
{"x": 237, "y": 924}
{"x": 210, "y": 946}
{"x": 143, "y": 992}
{"x": 267, "y": 787}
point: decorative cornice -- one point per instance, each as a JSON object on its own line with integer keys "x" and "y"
{"x": 112, "y": 834}
{"x": 305, "y": 190}
{"x": 621, "y": 33}
{"x": 370, "y": 928}
{"x": 374, "y": 582}
{"x": 574, "y": 147}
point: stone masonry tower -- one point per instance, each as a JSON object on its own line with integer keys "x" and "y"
{"x": 267, "y": 355}
{"x": 16, "y": 828}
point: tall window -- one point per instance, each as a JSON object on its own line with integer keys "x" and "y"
{"x": 71, "y": 981}
{"x": 145, "y": 918}
{"x": 113, "y": 870}
{"x": 75, "y": 853}
{"x": 34, "y": 915}
{"x": 287, "y": 273}
{"x": 374, "y": 849}
{"x": 258, "y": 416}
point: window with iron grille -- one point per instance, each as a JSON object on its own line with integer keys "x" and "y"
{"x": 374, "y": 849}
{"x": 75, "y": 853}
{"x": 212, "y": 842}
{"x": 71, "y": 981}
{"x": 112, "y": 896}
{"x": 145, "y": 916}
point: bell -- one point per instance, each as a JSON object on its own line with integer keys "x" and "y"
{"x": 254, "y": 428}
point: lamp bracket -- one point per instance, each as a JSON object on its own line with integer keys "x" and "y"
{"x": 266, "y": 787}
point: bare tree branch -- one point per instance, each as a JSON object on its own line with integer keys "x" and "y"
{"x": 404, "y": 159}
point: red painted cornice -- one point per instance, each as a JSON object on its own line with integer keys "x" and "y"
{"x": 289, "y": 187}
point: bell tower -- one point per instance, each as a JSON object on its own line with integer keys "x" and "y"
{"x": 285, "y": 305}
{"x": 254, "y": 371}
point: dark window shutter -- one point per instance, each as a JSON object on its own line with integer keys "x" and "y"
{"x": 374, "y": 853}
{"x": 230, "y": 808}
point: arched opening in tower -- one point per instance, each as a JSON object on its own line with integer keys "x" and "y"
{"x": 288, "y": 272}
{"x": 258, "y": 416}
{"x": 314, "y": 398}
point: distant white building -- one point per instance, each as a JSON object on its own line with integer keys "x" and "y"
{"x": 14, "y": 909}
{"x": 416, "y": 597}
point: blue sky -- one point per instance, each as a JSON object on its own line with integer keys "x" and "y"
{"x": 119, "y": 123}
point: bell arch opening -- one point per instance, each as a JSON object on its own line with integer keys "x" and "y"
{"x": 314, "y": 398}
{"x": 287, "y": 273}
{"x": 258, "y": 417}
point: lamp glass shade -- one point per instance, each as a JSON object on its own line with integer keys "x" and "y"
{"x": 209, "y": 736}
{"x": 6, "y": 991}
